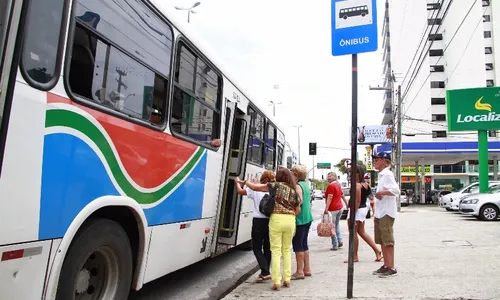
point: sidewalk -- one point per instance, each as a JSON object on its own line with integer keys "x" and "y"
{"x": 439, "y": 255}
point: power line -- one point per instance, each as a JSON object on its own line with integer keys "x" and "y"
{"x": 451, "y": 40}
{"x": 422, "y": 38}
{"x": 424, "y": 54}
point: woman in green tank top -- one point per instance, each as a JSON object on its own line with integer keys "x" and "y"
{"x": 303, "y": 223}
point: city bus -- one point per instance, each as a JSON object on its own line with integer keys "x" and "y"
{"x": 353, "y": 11}
{"x": 121, "y": 135}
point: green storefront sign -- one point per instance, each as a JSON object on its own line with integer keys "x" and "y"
{"x": 473, "y": 109}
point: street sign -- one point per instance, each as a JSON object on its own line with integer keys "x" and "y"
{"x": 347, "y": 164}
{"x": 324, "y": 165}
{"x": 473, "y": 109}
{"x": 354, "y": 26}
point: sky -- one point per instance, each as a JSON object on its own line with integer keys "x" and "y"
{"x": 265, "y": 43}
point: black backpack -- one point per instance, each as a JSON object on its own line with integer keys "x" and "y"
{"x": 266, "y": 206}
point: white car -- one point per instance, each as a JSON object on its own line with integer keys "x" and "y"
{"x": 405, "y": 201}
{"x": 451, "y": 201}
{"x": 318, "y": 194}
{"x": 484, "y": 206}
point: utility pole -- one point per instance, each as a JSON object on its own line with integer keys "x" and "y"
{"x": 298, "y": 139}
{"x": 399, "y": 150}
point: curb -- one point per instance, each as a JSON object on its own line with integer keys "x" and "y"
{"x": 238, "y": 282}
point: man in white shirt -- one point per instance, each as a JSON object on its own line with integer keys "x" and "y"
{"x": 385, "y": 212}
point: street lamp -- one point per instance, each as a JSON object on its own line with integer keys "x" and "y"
{"x": 189, "y": 10}
{"x": 274, "y": 106}
{"x": 298, "y": 138}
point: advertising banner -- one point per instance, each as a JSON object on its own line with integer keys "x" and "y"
{"x": 378, "y": 134}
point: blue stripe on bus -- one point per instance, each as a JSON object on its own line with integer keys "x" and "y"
{"x": 73, "y": 176}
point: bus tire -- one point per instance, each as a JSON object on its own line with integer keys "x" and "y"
{"x": 98, "y": 265}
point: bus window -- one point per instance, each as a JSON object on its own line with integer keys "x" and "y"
{"x": 256, "y": 142}
{"x": 196, "y": 103}
{"x": 270, "y": 146}
{"x": 40, "y": 55}
{"x": 104, "y": 75}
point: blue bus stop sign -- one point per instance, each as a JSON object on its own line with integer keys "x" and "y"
{"x": 354, "y": 26}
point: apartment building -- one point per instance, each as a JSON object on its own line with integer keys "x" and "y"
{"x": 433, "y": 46}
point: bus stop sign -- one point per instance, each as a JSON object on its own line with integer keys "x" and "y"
{"x": 354, "y": 26}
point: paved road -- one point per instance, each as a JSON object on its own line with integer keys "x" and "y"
{"x": 209, "y": 279}
{"x": 439, "y": 255}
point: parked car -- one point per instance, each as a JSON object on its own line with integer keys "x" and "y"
{"x": 450, "y": 202}
{"x": 405, "y": 201}
{"x": 318, "y": 194}
{"x": 484, "y": 206}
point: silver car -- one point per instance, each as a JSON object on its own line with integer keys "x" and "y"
{"x": 484, "y": 206}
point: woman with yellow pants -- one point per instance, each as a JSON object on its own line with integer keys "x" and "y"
{"x": 281, "y": 223}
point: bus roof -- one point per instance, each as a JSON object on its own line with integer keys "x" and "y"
{"x": 169, "y": 11}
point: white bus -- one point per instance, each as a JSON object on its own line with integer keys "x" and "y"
{"x": 111, "y": 172}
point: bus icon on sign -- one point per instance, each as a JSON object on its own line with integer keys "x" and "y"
{"x": 353, "y": 12}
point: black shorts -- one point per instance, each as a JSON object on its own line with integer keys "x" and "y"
{"x": 300, "y": 239}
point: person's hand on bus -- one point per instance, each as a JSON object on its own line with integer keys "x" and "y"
{"x": 238, "y": 180}
{"x": 216, "y": 143}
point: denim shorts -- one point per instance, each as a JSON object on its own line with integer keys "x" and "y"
{"x": 300, "y": 239}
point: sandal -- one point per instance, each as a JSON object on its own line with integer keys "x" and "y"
{"x": 286, "y": 284}
{"x": 308, "y": 274}
{"x": 262, "y": 278}
{"x": 297, "y": 277}
{"x": 276, "y": 287}
{"x": 347, "y": 261}
{"x": 379, "y": 258}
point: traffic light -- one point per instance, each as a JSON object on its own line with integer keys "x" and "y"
{"x": 312, "y": 148}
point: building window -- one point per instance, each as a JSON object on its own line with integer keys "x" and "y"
{"x": 438, "y": 101}
{"x": 108, "y": 71}
{"x": 490, "y": 82}
{"x": 439, "y": 134}
{"x": 437, "y": 84}
{"x": 488, "y": 50}
{"x": 486, "y": 18}
{"x": 196, "y": 98}
{"x": 256, "y": 143}
{"x": 433, "y": 6}
{"x": 487, "y": 34}
{"x": 486, "y": 2}
{"x": 436, "y": 21}
{"x": 438, "y": 117}
{"x": 489, "y": 66}
{"x": 437, "y": 68}
{"x": 492, "y": 133}
{"x": 435, "y": 37}
{"x": 436, "y": 52}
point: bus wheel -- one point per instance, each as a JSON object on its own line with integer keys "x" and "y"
{"x": 363, "y": 14}
{"x": 98, "y": 265}
{"x": 345, "y": 17}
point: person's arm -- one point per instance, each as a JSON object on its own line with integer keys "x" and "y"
{"x": 239, "y": 189}
{"x": 329, "y": 197}
{"x": 389, "y": 188}
{"x": 345, "y": 200}
{"x": 298, "y": 190}
{"x": 258, "y": 187}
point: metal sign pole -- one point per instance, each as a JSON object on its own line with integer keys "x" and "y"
{"x": 354, "y": 160}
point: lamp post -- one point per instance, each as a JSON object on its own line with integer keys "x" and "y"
{"x": 274, "y": 106}
{"x": 189, "y": 9}
{"x": 298, "y": 138}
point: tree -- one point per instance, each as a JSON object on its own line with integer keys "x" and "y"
{"x": 342, "y": 168}
{"x": 319, "y": 184}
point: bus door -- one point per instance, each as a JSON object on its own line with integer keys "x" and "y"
{"x": 231, "y": 201}
{"x": 10, "y": 12}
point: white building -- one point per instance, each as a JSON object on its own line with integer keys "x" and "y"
{"x": 432, "y": 46}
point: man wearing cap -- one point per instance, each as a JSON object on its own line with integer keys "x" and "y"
{"x": 385, "y": 212}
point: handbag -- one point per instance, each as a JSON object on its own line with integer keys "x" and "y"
{"x": 326, "y": 227}
{"x": 266, "y": 205}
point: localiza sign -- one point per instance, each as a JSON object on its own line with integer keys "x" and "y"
{"x": 378, "y": 134}
{"x": 473, "y": 109}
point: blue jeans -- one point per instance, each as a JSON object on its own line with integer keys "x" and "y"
{"x": 336, "y": 220}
